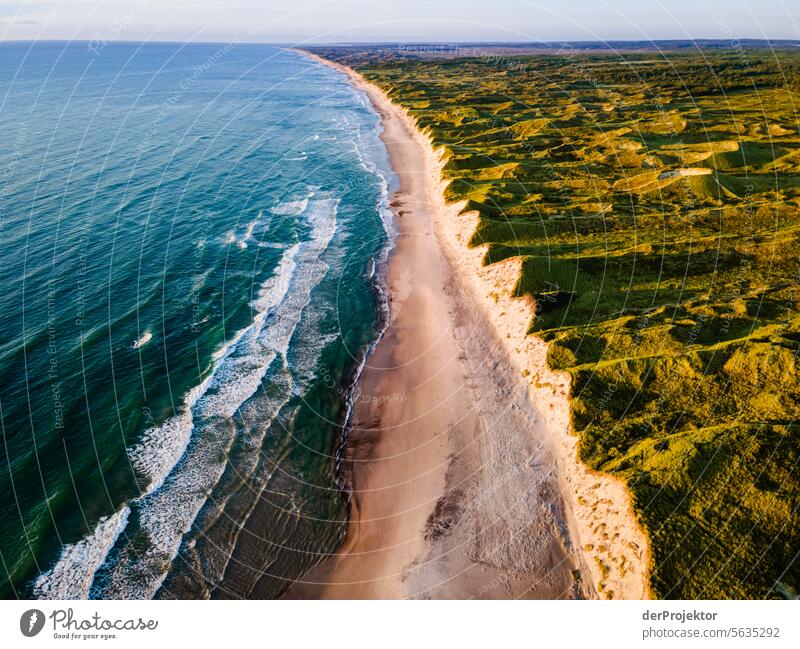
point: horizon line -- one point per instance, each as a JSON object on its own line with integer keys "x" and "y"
{"x": 732, "y": 42}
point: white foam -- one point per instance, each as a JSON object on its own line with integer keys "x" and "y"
{"x": 248, "y": 232}
{"x": 291, "y": 208}
{"x": 372, "y": 166}
{"x": 238, "y": 376}
{"x": 176, "y": 490}
{"x": 71, "y": 576}
{"x": 365, "y": 144}
{"x": 296, "y": 206}
{"x": 167, "y": 513}
{"x": 145, "y": 338}
{"x": 161, "y": 447}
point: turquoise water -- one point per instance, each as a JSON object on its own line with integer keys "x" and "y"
{"x": 189, "y": 242}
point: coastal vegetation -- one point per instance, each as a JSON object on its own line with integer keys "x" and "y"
{"x": 653, "y": 200}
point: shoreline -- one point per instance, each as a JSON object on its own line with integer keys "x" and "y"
{"x": 468, "y": 484}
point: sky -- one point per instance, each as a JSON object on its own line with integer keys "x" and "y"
{"x": 327, "y": 21}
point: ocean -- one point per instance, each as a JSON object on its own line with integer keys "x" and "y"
{"x": 192, "y": 238}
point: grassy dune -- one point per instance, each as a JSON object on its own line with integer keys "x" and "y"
{"x": 654, "y": 202}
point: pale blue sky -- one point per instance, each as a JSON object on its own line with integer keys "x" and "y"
{"x": 404, "y": 20}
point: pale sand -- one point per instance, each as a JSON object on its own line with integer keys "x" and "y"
{"x": 463, "y": 469}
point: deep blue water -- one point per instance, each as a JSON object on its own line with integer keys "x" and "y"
{"x": 188, "y": 253}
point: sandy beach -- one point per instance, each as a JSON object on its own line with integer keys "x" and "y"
{"x": 463, "y": 471}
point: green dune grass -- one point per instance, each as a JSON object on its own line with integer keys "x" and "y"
{"x": 671, "y": 299}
